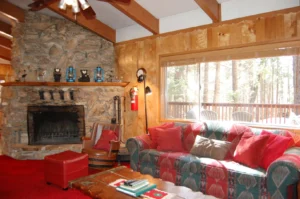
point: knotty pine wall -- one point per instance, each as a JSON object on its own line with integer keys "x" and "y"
{"x": 273, "y": 27}
{"x": 6, "y": 72}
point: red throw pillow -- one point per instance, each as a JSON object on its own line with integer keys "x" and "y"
{"x": 250, "y": 149}
{"x": 153, "y": 133}
{"x": 234, "y": 136}
{"x": 106, "y": 137}
{"x": 275, "y": 147}
{"x": 295, "y": 137}
{"x": 169, "y": 139}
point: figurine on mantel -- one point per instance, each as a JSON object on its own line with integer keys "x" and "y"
{"x": 41, "y": 74}
{"x": 112, "y": 78}
{"x": 84, "y": 76}
{"x": 57, "y": 74}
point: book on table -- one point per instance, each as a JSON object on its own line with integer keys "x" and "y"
{"x": 139, "y": 191}
{"x": 136, "y": 188}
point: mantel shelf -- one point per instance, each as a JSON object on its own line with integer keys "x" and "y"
{"x": 121, "y": 84}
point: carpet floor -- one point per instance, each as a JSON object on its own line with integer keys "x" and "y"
{"x": 24, "y": 179}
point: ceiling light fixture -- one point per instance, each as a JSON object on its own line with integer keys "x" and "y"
{"x": 74, "y": 3}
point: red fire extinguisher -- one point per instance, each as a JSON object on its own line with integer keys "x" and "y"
{"x": 134, "y": 98}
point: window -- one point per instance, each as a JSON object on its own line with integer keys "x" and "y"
{"x": 248, "y": 86}
{"x": 182, "y": 90}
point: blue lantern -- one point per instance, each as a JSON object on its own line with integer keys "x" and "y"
{"x": 99, "y": 74}
{"x": 71, "y": 74}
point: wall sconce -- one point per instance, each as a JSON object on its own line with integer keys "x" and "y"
{"x": 148, "y": 90}
{"x": 141, "y": 74}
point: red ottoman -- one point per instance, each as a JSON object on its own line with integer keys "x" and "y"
{"x": 63, "y": 167}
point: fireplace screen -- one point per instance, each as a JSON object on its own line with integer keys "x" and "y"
{"x": 55, "y": 124}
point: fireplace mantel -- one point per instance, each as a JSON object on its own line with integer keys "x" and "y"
{"x": 121, "y": 84}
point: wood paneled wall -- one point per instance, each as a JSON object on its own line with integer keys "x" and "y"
{"x": 273, "y": 27}
{"x": 6, "y": 72}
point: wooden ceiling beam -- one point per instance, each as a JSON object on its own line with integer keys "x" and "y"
{"x": 12, "y": 11}
{"x": 140, "y": 15}
{"x": 5, "y": 28}
{"x": 93, "y": 25}
{"x": 5, "y": 53}
{"x": 6, "y": 43}
{"x": 212, "y": 8}
{"x": 39, "y": 4}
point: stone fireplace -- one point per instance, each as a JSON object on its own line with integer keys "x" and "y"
{"x": 43, "y": 43}
{"x": 19, "y": 103}
{"x": 55, "y": 124}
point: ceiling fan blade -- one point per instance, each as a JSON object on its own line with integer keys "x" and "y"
{"x": 89, "y": 13}
{"x": 40, "y": 4}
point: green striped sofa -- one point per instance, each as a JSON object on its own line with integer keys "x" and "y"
{"x": 220, "y": 178}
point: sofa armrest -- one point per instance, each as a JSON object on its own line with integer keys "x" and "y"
{"x": 135, "y": 145}
{"x": 284, "y": 172}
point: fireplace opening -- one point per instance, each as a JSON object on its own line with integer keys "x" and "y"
{"x": 55, "y": 124}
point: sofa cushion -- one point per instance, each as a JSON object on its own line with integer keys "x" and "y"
{"x": 169, "y": 165}
{"x": 169, "y": 159}
{"x": 169, "y": 139}
{"x": 104, "y": 142}
{"x": 160, "y": 164}
{"x": 226, "y": 131}
{"x": 205, "y": 147}
{"x": 250, "y": 149}
{"x": 275, "y": 147}
{"x": 154, "y": 134}
{"x": 217, "y": 176}
{"x": 148, "y": 162}
{"x": 217, "y": 130}
{"x": 190, "y": 133}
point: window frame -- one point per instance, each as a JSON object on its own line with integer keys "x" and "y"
{"x": 224, "y": 54}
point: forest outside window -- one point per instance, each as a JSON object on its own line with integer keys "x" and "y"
{"x": 258, "y": 87}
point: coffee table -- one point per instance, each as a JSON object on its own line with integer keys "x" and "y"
{"x": 97, "y": 185}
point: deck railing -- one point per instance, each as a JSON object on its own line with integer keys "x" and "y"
{"x": 262, "y": 113}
